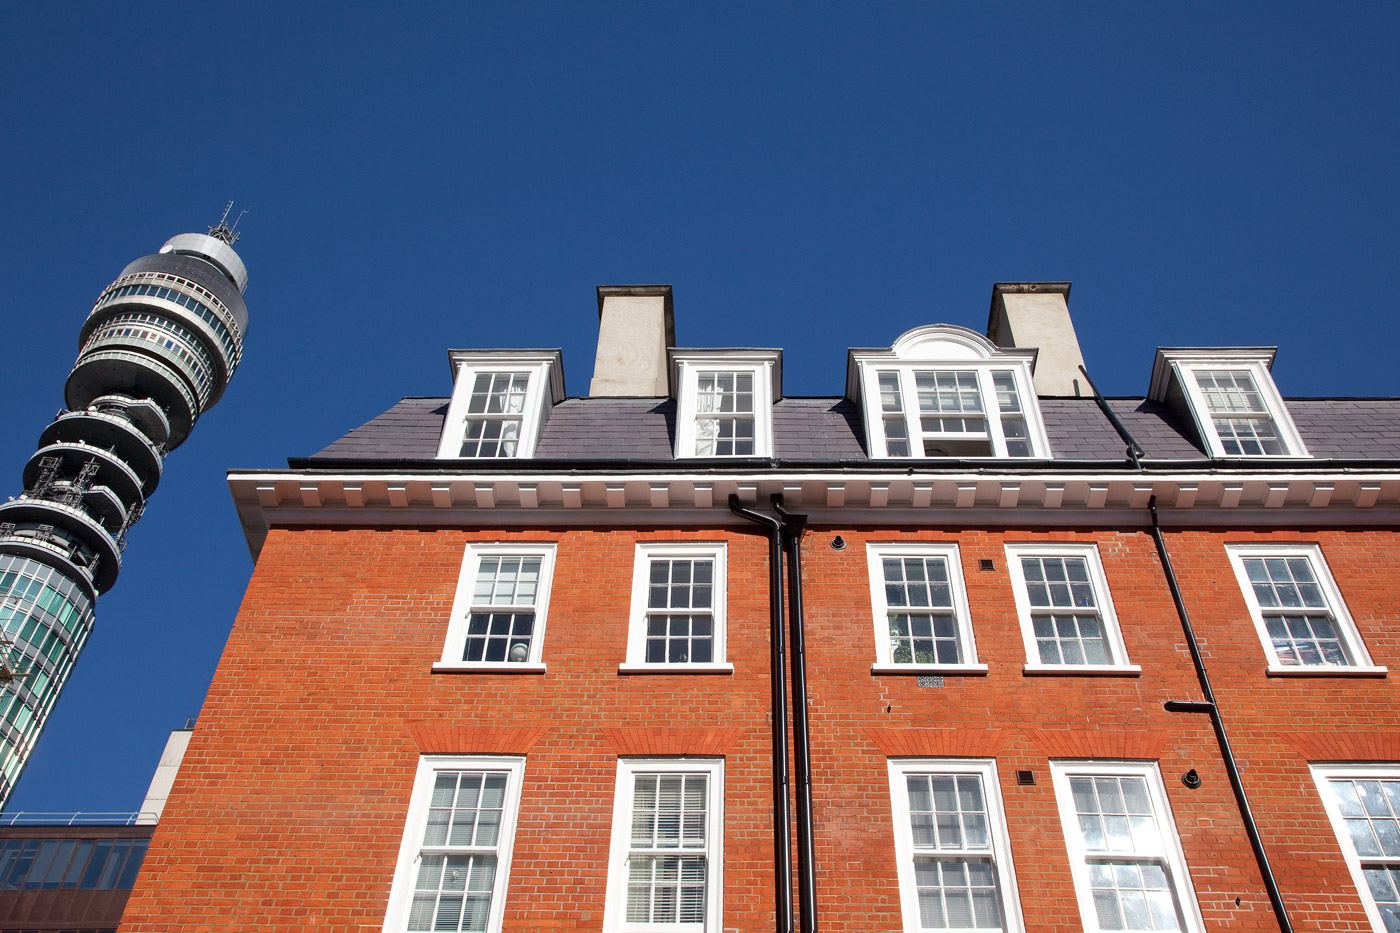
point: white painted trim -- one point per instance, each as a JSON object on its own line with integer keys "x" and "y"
{"x": 1000, "y": 851}
{"x": 1108, "y": 618}
{"x": 1161, "y": 380}
{"x": 454, "y": 646}
{"x": 487, "y": 667}
{"x": 1359, "y": 671}
{"x": 915, "y": 495}
{"x": 539, "y": 399}
{"x": 1020, "y": 370}
{"x": 948, "y": 551}
{"x": 1082, "y": 670}
{"x": 629, "y": 668}
{"x": 1184, "y": 370}
{"x": 1352, "y": 643}
{"x": 641, "y": 567}
{"x": 614, "y": 910}
{"x": 688, "y": 369}
{"x": 948, "y": 669}
{"x": 1171, "y": 852}
{"x": 401, "y": 891}
{"x": 1321, "y": 774}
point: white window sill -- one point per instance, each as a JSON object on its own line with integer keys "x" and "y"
{"x": 1083, "y": 670}
{"x": 675, "y": 668}
{"x": 487, "y": 667}
{"x": 973, "y": 669}
{"x": 1327, "y": 670}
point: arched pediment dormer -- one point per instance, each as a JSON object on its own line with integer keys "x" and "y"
{"x": 942, "y": 342}
{"x": 942, "y": 390}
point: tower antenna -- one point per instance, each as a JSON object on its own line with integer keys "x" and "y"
{"x": 222, "y": 230}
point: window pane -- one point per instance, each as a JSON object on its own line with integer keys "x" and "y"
{"x": 1127, "y": 871}
{"x": 680, "y": 637}
{"x": 1230, "y": 391}
{"x": 665, "y": 889}
{"x": 947, "y": 812}
{"x": 1302, "y": 633}
{"x": 956, "y": 894}
{"x": 495, "y": 410}
{"x": 949, "y": 403}
{"x": 890, "y": 398}
{"x": 725, "y": 418}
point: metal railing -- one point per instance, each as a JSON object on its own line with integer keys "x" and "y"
{"x": 77, "y": 818}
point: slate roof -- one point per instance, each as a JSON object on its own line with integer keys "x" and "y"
{"x": 1078, "y": 430}
{"x": 828, "y": 429}
{"x": 1347, "y": 429}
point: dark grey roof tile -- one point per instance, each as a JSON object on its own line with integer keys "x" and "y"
{"x": 831, "y": 429}
{"x": 1079, "y": 430}
{"x": 409, "y": 430}
{"x": 1348, "y": 429}
{"x": 609, "y": 429}
{"x": 817, "y": 429}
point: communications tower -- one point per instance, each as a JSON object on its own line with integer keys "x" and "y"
{"x": 155, "y": 352}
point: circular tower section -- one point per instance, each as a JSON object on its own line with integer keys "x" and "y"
{"x": 156, "y": 351}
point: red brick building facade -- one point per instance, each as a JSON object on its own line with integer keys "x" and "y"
{"x": 528, "y": 652}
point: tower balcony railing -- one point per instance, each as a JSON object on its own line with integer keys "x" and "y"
{"x": 78, "y": 818}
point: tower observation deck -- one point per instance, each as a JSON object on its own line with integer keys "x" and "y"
{"x": 155, "y": 352}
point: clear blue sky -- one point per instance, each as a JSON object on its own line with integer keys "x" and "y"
{"x": 808, "y": 176}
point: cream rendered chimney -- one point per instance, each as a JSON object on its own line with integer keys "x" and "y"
{"x": 636, "y": 325}
{"x": 1036, "y": 314}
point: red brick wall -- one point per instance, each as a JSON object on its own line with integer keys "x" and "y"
{"x": 289, "y": 809}
{"x": 858, "y": 718}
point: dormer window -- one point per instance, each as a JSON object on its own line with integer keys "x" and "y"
{"x": 724, "y": 404}
{"x": 944, "y": 391}
{"x": 500, "y": 401}
{"x": 1232, "y": 399}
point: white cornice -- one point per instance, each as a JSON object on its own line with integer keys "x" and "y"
{"x": 552, "y": 360}
{"x": 717, "y": 357}
{"x": 1058, "y": 498}
{"x": 933, "y": 343}
{"x": 1162, "y": 373}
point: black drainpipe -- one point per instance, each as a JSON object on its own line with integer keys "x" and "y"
{"x": 1135, "y": 451}
{"x": 1209, "y": 706}
{"x": 782, "y": 825}
{"x": 793, "y": 526}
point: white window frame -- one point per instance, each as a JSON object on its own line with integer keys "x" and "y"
{"x": 1322, "y": 774}
{"x": 1184, "y": 365}
{"x": 1171, "y": 856}
{"x": 1108, "y": 618}
{"x": 999, "y": 853}
{"x": 457, "y": 628}
{"x": 615, "y": 909}
{"x": 636, "y": 662}
{"x": 1352, "y": 645}
{"x": 686, "y": 367}
{"x": 880, "y": 609}
{"x": 996, "y": 438}
{"x": 945, "y": 348}
{"x": 405, "y": 872}
{"x": 545, "y": 387}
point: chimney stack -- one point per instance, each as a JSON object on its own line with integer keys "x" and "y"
{"x": 1036, "y": 314}
{"x": 636, "y": 325}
